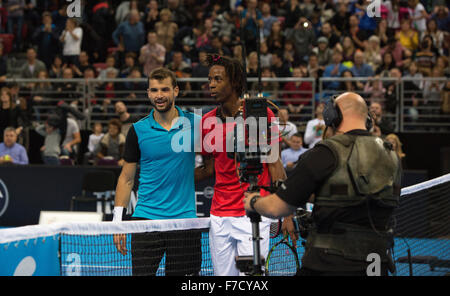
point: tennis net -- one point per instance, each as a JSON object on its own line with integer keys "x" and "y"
{"x": 181, "y": 247}
{"x": 422, "y": 243}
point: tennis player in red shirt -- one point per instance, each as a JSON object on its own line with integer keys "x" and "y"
{"x": 231, "y": 230}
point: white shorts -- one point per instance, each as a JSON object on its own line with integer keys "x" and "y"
{"x": 232, "y": 236}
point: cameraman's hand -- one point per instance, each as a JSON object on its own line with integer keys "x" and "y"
{"x": 288, "y": 228}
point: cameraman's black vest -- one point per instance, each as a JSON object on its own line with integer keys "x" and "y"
{"x": 367, "y": 168}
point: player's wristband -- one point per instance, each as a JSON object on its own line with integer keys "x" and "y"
{"x": 119, "y": 213}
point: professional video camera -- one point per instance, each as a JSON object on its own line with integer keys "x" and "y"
{"x": 250, "y": 146}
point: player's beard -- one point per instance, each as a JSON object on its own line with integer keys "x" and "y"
{"x": 166, "y": 108}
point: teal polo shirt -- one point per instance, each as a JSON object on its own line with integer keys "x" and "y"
{"x": 167, "y": 161}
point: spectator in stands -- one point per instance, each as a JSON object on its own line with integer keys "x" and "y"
{"x": 46, "y": 38}
{"x": 348, "y": 85}
{"x": 323, "y": 51}
{"x": 286, "y": 128}
{"x": 436, "y": 35}
{"x": 297, "y": 94}
{"x": 41, "y": 94}
{"x": 293, "y": 12}
{"x": 81, "y": 65}
{"x": 57, "y": 67}
{"x": 289, "y": 156}
{"x": 360, "y": 68}
{"x": 398, "y": 52}
{"x": 223, "y": 26}
{"x": 418, "y": 15}
{"x": 51, "y": 149}
{"x": 308, "y": 8}
{"x": 218, "y": 47}
{"x": 443, "y": 64}
{"x": 109, "y": 88}
{"x": 251, "y": 22}
{"x": 383, "y": 123}
{"x": 110, "y": 64}
{"x": 264, "y": 55}
{"x": 397, "y": 147}
{"x": 383, "y": 32}
{"x": 327, "y": 32}
{"x": 59, "y": 18}
{"x": 11, "y": 114}
{"x": 275, "y": 40}
{"x": 71, "y": 139}
{"x": 166, "y": 29}
{"x": 387, "y": 64}
{"x": 93, "y": 142}
{"x": 112, "y": 144}
{"x": 267, "y": 18}
{"x": 200, "y": 70}
{"x": 33, "y": 66}
{"x": 279, "y": 67}
{"x": 374, "y": 89}
{"x": 180, "y": 14}
{"x": 66, "y": 90}
{"x": 357, "y": 35}
{"x": 130, "y": 63}
{"x": 15, "y": 10}
{"x": 151, "y": 15}
{"x": 413, "y": 72}
{"x": 122, "y": 12}
{"x": 10, "y": 150}
{"x": 126, "y": 119}
{"x": 135, "y": 92}
{"x": 348, "y": 49}
{"x": 372, "y": 54}
{"x": 407, "y": 36}
{"x": 269, "y": 89}
{"x": 315, "y": 127}
{"x": 393, "y": 14}
{"x": 303, "y": 37}
{"x": 252, "y": 65}
{"x": 432, "y": 89}
{"x": 71, "y": 39}
{"x": 153, "y": 54}
{"x": 366, "y": 23}
{"x": 441, "y": 15}
{"x": 177, "y": 64}
{"x": 340, "y": 20}
{"x": 334, "y": 69}
{"x": 314, "y": 69}
{"x": 130, "y": 34}
{"x": 425, "y": 57}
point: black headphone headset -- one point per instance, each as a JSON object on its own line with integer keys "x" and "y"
{"x": 332, "y": 115}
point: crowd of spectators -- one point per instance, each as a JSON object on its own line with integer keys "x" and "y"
{"x": 309, "y": 38}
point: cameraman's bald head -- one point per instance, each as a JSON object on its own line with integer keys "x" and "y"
{"x": 354, "y": 110}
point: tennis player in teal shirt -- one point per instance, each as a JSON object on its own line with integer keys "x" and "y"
{"x": 162, "y": 143}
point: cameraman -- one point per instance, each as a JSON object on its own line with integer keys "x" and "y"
{"x": 356, "y": 181}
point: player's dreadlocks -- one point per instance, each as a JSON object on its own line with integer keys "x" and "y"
{"x": 233, "y": 68}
